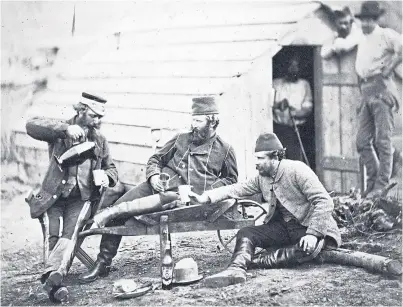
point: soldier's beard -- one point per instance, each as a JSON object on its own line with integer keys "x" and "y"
{"x": 199, "y": 136}
{"x": 97, "y": 126}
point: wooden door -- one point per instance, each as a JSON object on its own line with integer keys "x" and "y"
{"x": 336, "y": 115}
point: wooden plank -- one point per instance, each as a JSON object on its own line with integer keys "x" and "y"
{"x": 165, "y": 240}
{"x": 235, "y": 123}
{"x": 38, "y": 159}
{"x": 129, "y": 117}
{"x": 135, "y": 228}
{"x": 199, "y": 69}
{"x": 214, "y": 14}
{"x": 232, "y": 51}
{"x": 301, "y": 35}
{"x": 206, "y": 226}
{"x": 330, "y": 66}
{"x": 122, "y": 152}
{"x": 340, "y": 163}
{"x": 318, "y": 110}
{"x": 340, "y": 79}
{"x": 257, "y": 91}
{"x": 173, "y": 103}
{"x": 131, "y": 135}
{"x": 332, "y": 181}
{"x": 130, "y": 153}
{"x": 188, "y": 86}
{"x": 347, "y": 64}
{"x": 131, "y": 173}
{"x": 331, "y": 121}
{"x": 231, "y": 33}
{"x": 350, "y": 101}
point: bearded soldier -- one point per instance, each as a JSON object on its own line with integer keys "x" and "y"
{"x": 199, "y": 158}
{"x": 68, "y": 190}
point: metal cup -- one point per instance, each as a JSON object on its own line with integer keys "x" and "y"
{"x": 164, "y": 178}
{"x": 98, "y": 175}
{"x": 184, "y": 193}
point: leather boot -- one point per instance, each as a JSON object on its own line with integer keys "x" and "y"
{"x": 52, "y": 284}
{"x": 236, "y": 272}
{"x": 144, "y": 205}
{"x": 108, "y": 249}
{"x": 280, "y": 258}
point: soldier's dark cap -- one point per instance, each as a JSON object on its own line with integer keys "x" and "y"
{"x": 204, "y": 106}
{"x": 268, "y": 142}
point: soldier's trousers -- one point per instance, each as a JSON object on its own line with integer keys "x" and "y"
{"x": 61, "y": 249}
{"x": 375, "y": 128}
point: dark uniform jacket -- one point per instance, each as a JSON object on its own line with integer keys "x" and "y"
{"x": 205, "y": 167}
{"x": 54, "y": 132}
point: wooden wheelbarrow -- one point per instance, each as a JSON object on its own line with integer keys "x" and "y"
{"x": 184, "y": 219}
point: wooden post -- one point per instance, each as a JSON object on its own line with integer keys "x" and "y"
{"x": 164, "y": 235}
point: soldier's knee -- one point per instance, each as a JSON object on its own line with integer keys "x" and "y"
{"x": 245, "y": 232}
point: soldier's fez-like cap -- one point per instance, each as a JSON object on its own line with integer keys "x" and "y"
{"x": 268, "y": 142}
{"x": 95, "y": 103}
{"x": 204, "y": 106}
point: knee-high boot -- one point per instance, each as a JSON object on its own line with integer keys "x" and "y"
{"x": 282, "y": 257}
{"x": 108, "y": 249}
{"x": 236, "y": 272}
{"x": 138, "y": 206}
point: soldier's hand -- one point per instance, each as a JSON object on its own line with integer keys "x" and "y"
{"x": 201, "y": 199}
{"x": 105, "y": 180}
{"x": 308, "y": 243}
{"x": 293, "y": 111}
{"x": 75, "y": 132}
{"x": 156, "y": 183}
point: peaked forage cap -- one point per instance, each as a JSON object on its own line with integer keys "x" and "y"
{"x": 95, "y": 103}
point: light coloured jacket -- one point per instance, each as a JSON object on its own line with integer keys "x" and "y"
{"x": 298, "y": 189}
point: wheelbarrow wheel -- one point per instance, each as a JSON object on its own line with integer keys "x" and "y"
{"x": 227, "y": 239}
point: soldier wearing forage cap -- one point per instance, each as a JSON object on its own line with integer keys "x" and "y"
{"x": 66, "y": 189}
{"x": 299, "y": 217}
{"x": 199, "y": 158}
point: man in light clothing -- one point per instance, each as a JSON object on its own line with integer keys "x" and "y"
{"x": 299, "y": 221}
{"x": 347, "y": 36}
{"x": 378, "y": 54}
{"x": 293, "y": 97}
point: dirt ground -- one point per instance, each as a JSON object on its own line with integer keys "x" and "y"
{"x": 308, "y": 284}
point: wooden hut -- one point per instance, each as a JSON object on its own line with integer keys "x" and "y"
{"x": 150, "y": 71}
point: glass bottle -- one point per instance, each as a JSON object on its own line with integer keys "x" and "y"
{"x": 167, "y": 267}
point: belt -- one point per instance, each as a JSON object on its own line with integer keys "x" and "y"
{"x": 371, "y": 79}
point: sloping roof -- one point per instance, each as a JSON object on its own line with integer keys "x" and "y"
{"x": 151, "y": 70}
